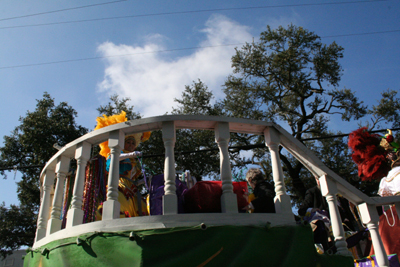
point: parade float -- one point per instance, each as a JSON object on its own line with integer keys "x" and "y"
{"x": 174, "y": 237}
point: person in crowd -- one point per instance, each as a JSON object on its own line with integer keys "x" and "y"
{"x": 263, "y": 200}
{"x": 313, "y": 200}
{"x": 314, "y": 209}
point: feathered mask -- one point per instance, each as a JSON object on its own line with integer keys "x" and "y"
{"x": 114, "y": 119}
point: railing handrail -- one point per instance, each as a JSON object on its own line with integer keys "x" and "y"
{"x": 294, "y": 146}
{"x": 318, "y": 168}
{"x": 154, "y": 123}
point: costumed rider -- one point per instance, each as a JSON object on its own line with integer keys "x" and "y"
{"x": 377, "y": 157}
{"x": 129, "y": 197}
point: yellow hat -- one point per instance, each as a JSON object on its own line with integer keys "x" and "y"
{"x": 114, "y": 119}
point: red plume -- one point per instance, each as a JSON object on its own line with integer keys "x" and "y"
{"x": 368, "y": 155}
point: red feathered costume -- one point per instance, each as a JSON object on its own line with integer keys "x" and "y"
{"x": 368, "y": 155}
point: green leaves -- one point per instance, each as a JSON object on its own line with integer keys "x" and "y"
{"x": 291, "y": 77}
{"x": 116, "y": 105}
{"x": 31, "y": 143}
{"x": 196, "y": 99}
{"x": 17, "y": 228}
{"x": 388, "y": 109}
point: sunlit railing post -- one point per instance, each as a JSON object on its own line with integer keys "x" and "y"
{"x": 45, "y": 204}
{"x": 170, "y": 201}
{"x": 370, "y": 217}
{"x": 54, "y": 223}
{"x": 329, "y": 191}
{"x": 282, "y": 200}
{"x": 112, "y": 207}
{"x": 75, "y": 213}
{"x": 228, "y": 198}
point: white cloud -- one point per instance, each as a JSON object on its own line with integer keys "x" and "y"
{"x": 152, "y": 82}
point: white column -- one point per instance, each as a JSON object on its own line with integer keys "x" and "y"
{"x": 370, "y": 217}
{"x": 170, "y": 201}
{"x": 54, "y": 223}
{"x": 282, "y": 200}
{"x": 75, "y": 213}
{"x": 45, "y": 204}
{"x": 111, "y": 207}
{"x": 228, "y": 198}
{"x": 329, "y": 191}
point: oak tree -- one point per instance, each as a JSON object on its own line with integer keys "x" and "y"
{"x": 29, "y": 146}
{"x": 290, "y": 77}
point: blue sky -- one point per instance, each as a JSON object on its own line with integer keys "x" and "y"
{"x": 82, "y": 55}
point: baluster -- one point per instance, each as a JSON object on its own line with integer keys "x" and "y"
{"x": 228, "y": 198}
{"x": 45, "y": 204}
{"x": 329, "y": 191}
{"x": 370, "y": 217}
{"x": 282, "y": 200}
{"x": 170, "y": 201}
{"x": 112, "y": 207}
{"x": 75, "y": 213}
{"x": 54, "y": 223}
{"x": 188, "y": 179}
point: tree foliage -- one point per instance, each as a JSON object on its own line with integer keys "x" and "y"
{"x": 386, "y": 111}
{"x": 29, "y": 145}
{"x": 291, "y": 78}
{"x": 17, "y": 228}
{"x": 195, "y": 99}
{"x": 116, "y": 105}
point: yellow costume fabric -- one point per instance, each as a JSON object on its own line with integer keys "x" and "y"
{"x": 127, "y": 196}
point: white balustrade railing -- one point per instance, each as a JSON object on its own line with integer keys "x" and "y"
{"x": 228, "y": 198}
{"x": 49, "y": 229}
{"x": 45, "y": 204}
{"x": 111, "y": 207}
{"x": 54, "y": 223}
{"x": 282, "y": 200}
{"x": 75, "y": 213}
{"x": 329, "y": 191}
{"x": 170, "y": 200}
